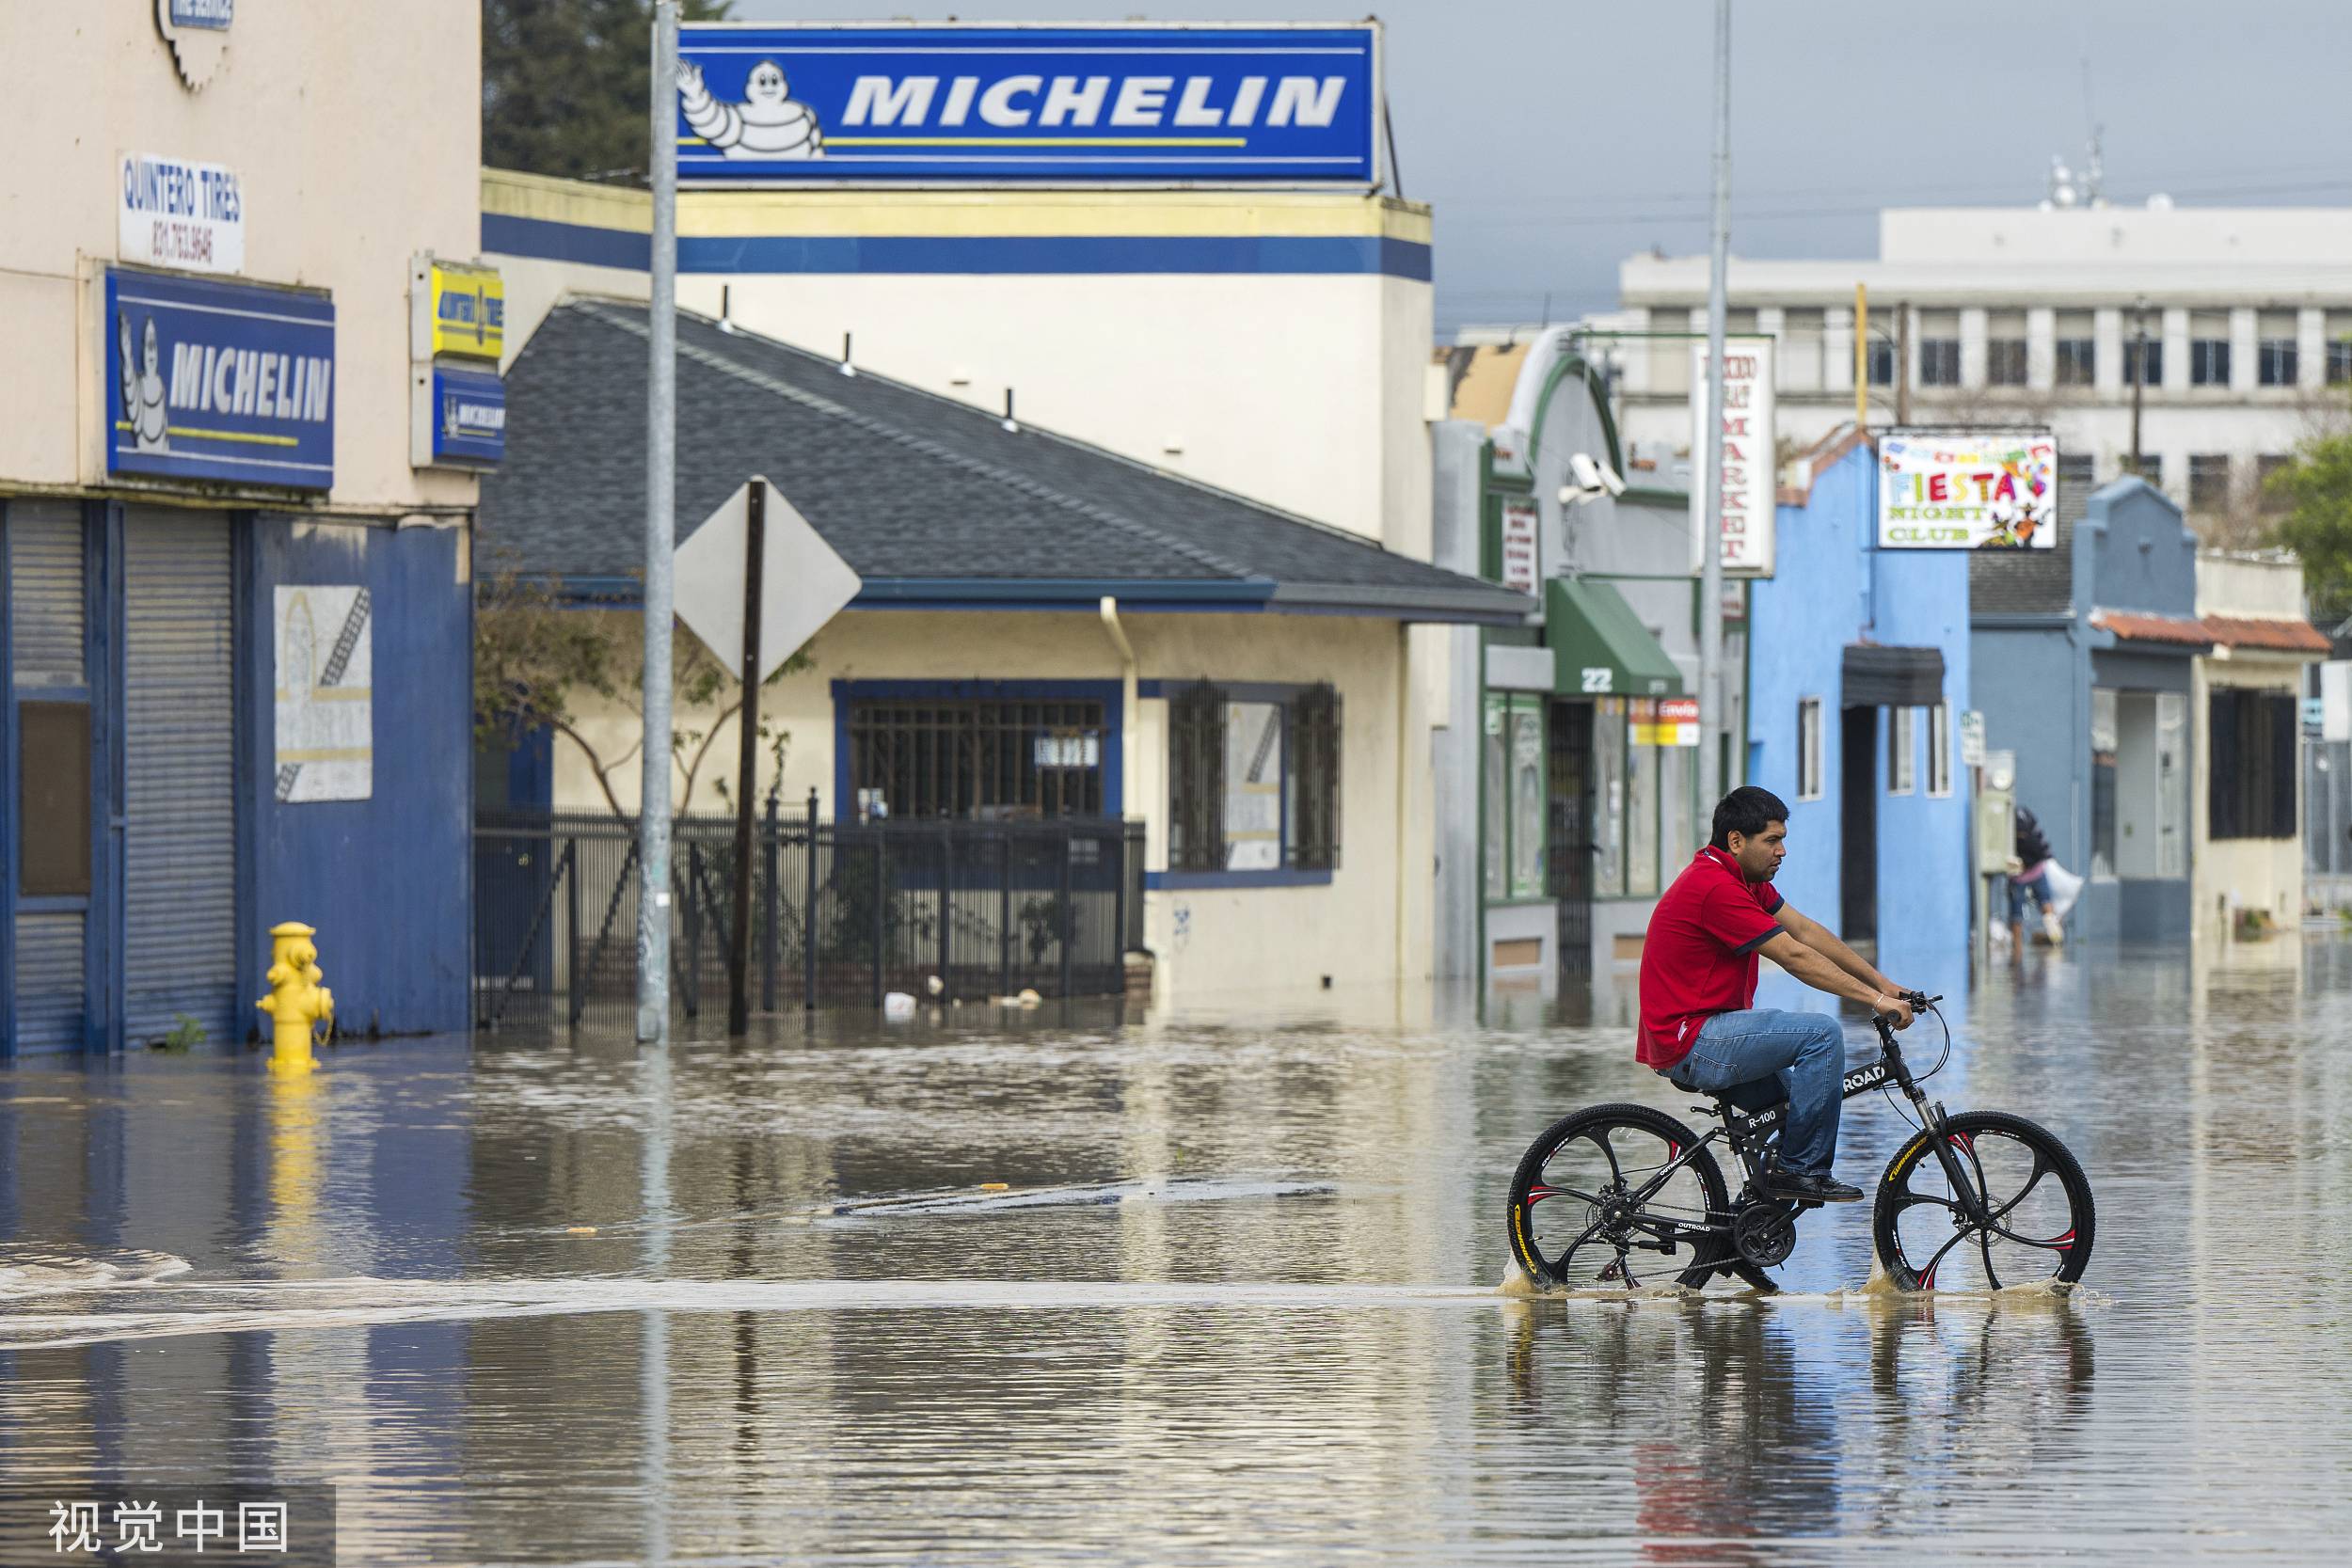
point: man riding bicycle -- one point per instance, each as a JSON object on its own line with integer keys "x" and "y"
{"x": 1699, "y": 1027}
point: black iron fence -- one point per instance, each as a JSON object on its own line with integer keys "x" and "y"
{"x": 841, "y": 912}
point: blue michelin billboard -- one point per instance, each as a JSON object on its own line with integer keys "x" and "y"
{"x": 894, "y": 104}
{"x": 219, "y": 381}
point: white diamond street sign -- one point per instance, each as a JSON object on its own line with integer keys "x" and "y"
{"x": 803, "y": 583}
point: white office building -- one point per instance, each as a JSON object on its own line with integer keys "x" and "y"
{"x": 2034, "y": 315}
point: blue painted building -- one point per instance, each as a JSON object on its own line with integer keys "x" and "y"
{"x": 159, "y": 822}
{"x": 2083, "y": 657}
{"x": 1859, "y": 662}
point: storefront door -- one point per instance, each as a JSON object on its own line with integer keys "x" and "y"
{"x": 179, "y": 777}
{"x": 1569, "y": 808}
{"x": 1858, "y": 818}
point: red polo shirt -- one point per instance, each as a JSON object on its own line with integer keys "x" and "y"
{"x": 1700, "y": 956}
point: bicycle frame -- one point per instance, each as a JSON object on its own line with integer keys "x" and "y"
{"x": 1744, "y": 1133}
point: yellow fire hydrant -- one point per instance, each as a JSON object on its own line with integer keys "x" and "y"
{"x": 296, "y": 1000}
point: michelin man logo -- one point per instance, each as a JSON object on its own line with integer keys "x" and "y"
{"x": 766, "y": 125}
{"x": 142, "y": 386}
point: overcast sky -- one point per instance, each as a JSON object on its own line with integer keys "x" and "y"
{"x": 1554, "y": 138}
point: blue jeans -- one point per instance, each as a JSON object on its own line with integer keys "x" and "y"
{"x": 1806, "y": 1051}
{"x": 2025, "y": 895}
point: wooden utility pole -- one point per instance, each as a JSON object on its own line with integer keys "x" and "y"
{"x": 1902, "y": 363}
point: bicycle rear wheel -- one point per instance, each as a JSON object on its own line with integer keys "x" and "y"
{"x": 1579, "y": 1215}
{"x": 2028, "y": 1183}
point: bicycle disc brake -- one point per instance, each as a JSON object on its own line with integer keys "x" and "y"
{"x": 1765, "y": 1233}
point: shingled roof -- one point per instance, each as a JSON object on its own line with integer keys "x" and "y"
{"x": 2030, "y": 582}
{"x": 930, "y": 499}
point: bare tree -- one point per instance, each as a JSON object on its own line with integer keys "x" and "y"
{"x": 535, "y": 655}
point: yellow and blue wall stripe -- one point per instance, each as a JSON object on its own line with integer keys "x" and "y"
{"x": 1240, "y": 232}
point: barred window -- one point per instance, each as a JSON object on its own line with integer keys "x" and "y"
{"x": 986, "y": 759}
{"x": 1253, "y": 781}
{"x": 2250, "y": 741}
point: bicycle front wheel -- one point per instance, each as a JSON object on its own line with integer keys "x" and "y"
{"x": 1599, "y": 1203}
{"x": 2034, "y": 1201}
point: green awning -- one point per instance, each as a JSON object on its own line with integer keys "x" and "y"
{"x": 1600, "y": 647}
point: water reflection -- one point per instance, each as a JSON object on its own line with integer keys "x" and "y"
{"x": 1004, "y": 1288}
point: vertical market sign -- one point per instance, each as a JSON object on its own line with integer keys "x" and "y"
{"x": 1984, "y": 489}
{"x": 1743, "y": 519}
{"x": 890, "y": 104}
{"x": 1517, "y": 543}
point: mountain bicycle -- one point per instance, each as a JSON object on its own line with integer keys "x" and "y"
{"x": 1976, "y": 1199}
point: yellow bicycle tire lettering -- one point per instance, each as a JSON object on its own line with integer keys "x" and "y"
{"x": 1903, "y": 1162}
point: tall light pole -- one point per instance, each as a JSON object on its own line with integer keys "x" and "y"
{"x": 653, "y": 800}
{"x": 1712, "y": 496}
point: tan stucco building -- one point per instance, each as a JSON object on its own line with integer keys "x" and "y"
{"x": 217, "y": 533}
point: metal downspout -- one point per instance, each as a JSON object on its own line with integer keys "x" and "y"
{"x": 1109, "y": 610}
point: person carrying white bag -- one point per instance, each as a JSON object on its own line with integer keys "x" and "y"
{"x": 2035, "y": 878}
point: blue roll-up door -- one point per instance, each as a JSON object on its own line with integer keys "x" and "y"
{"x": 46, "y": 616}
{"x": 180, "y": 840}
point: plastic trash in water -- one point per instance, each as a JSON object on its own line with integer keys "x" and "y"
{"x": 898, "y": 1006}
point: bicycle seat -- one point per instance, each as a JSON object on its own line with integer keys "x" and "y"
{"x": 1758, "y": 1093}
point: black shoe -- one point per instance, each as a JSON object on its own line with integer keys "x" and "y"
{"x": 1811, "y": 1189}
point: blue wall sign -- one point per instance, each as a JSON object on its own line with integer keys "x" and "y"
{"x": 894, "y": 104}
{"x": 219, "y": 381}
{"x": 468, "y": 417}
{"x": 215, "y": 15}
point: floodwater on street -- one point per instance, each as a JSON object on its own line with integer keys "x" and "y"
{"x": 1021, "y": 1289}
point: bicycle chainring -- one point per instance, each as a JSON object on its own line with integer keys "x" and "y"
{"x": 1765, "y": 1233}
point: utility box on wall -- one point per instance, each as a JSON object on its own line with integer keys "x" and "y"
{"x": 1996, "y": 807}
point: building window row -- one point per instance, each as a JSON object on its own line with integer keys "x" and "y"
{"x": 1935, "y": 350}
